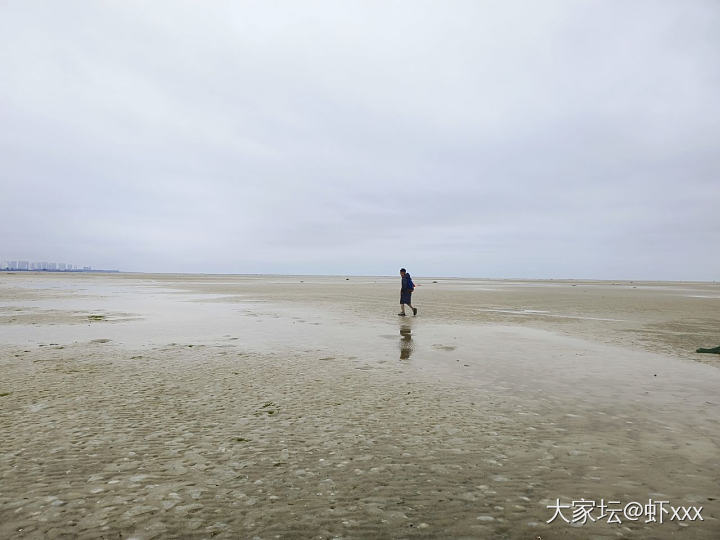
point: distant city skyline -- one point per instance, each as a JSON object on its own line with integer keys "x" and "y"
{"x": 18, "y": 264}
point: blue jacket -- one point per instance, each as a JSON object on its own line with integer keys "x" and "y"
{"x": 407, "y": 283}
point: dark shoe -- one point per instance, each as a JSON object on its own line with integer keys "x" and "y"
{"x": 401, "y": 314}
{"x": 414, "y": 311}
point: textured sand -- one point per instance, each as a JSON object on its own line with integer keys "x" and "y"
{"x": 222, "y": 406}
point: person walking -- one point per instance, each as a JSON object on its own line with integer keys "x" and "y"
{"x": 406, "y": 290}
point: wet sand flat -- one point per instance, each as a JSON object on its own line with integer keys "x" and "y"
{"x": 165, "y": 406}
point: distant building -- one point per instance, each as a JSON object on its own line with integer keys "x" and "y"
{"x": 46, "y": 266}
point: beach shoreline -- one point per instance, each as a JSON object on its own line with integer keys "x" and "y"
{"x": 160, "y": 406}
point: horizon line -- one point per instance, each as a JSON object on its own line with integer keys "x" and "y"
{"x": 417, "y": 276}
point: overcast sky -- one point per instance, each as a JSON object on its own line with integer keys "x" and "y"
{"x": 491, "y": 139}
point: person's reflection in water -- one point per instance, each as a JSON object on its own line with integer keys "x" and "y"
{"x": 406, "y": 344}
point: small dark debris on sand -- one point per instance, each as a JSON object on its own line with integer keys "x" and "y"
{"x": 714, "y": 350}
{"x": 268, "y": 408}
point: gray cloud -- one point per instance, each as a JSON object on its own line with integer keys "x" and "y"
{"x": 462, "y": 138}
